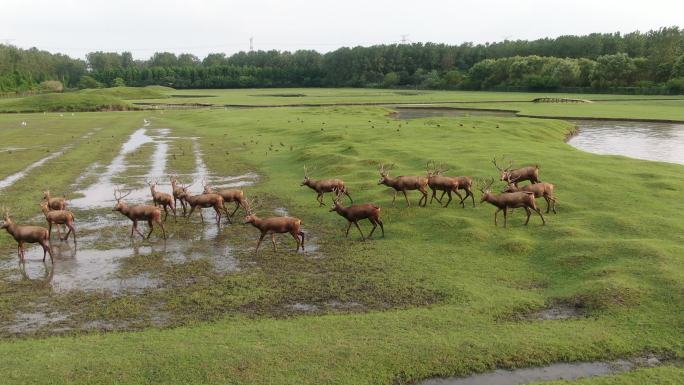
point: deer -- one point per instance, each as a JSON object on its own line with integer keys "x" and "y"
{"x": 530, "y": 173}
{"x": 323, "y": 186}
{"x": 149, "y": 213}
{"x": 162, "y": 199}
{"x": 229, "y": 195}
{"x": 541, "y": 189}
{"x": 27, "y": 234}
{"x": 56, "y": 203}
{"x": 177, "y": 191}
{"x": 355, "y": 213}
{"x": 447, "y": 184}
{"x": 59, "y": 217}
{"x": 203, "y": 201}
{"x": 404, "y": 183}
{"x": 274, "y": 225}
{"x": 507, "y": 201}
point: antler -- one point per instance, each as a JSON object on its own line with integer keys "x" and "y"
{"x": 251, "y": 205}
{"x": 484, "y": 185}
{"x": 442, "y": 169}
{"x": 118, "y": 196}
{"x": 306, "y": 172}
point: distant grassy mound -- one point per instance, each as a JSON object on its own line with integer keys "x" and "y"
{"x": 128, "y": 93}
{"x": 66, "y": 102}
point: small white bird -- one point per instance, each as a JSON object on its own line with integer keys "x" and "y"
{"x": 146, "y": 122}
{"x": 24, "y": 124}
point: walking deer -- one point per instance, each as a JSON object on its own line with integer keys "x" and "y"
{"x": 27, "y": 234}
{"x": 59, "y": 217}
{"x": 448, "y": 184}
{"x": 541, "y": 189}
{"x": 204, "y": 201}
{"x": 355, "y": 213}
{"x": 530, "y": 173}
{"x": 54, "y": 203}
{"x": 162, "y": 199}
{"x": 177, "y": 191}
{"x": 136, "y": 213}
{"x": 228, "y": 195}
{"x": 274, "y": 225}
{"x": 507, "y": 201}
{"x": 404, "y": 183}
{"x": 323, "y": 186}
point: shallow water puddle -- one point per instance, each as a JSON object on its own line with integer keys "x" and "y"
{"x": 8, "y": 181}
{"x": 560, "y": 371}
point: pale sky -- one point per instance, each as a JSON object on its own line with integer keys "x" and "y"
{"x": 142, "y": 27}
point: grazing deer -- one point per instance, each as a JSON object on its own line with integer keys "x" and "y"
{"x": 445, "y": 184}
{"x": 530, "y": 173}
{"x": 355, "y": 213}
{"x": 404, "y": 183}
{"x": 541, "y": 189}
{"x": 204, "y": 201}
{"x": 27, "y": 234}
{"x": 177, "y": 191}
{"x": 59, "y": 217}
{"x": 136, "y": 213}
{"x": 507, "y": 201}
{"x": 57, "y": 203}
{"x": 162, "y": 199}
{"x": 323, "y": 186}
{"x": 228, "y": 195}
{"x": 274, "y": 225}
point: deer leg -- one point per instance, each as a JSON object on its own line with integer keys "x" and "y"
{"x": 225, "y": 210}
{"x": 149, "y": 223}
{"x": 358, "y": 227}
{"x": 133, "y": 228}
{"x": 301, "y": 234}
{"x": 218, "y": 215}
{"x": 460, "y": 197}
{"x": 374, "y": 226}
{"x": 348, "y": 196}
{"x": 424, "y": 198}
{"x": 135, "y": 225}
{"x": 237, "y": 206}
{"x": 529, "y": 213}
{"x": 166, "y": 212}
{"x": 73, "y": 231}
{"x": 163, "y": 229}
{"x": 408, "y": 204}
{"x": 19, "y": 253}
{"x": 496, "y": 213}
{"x": 319, "y": 198}
{"x": 200, "y": 213}
{"x": 49, "y": 229}
{"x": 449, "y": 201}
{"x": 472, "y": 196}
{"x": 274, "y": 244}
{"x": 381, "y": 226}
{"x": 505, "y": 210}
{"x": 540, "y": 215}
{"x": 68, "y": 232}
{"x": 394, "y": 197}
{"x": 434, "y": 194}
{"x": 46, "y": 249}
{"x": 348, "y": 227}
{"x": 259, "y": 243}
{"x": 441, "y": 197}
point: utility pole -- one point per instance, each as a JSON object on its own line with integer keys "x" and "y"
{"x": 404, "y": 39}
{"x": 251, "y": 43}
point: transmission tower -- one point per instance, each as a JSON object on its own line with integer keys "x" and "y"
{"x": 251, "y": 43}
{"x": 404, "y": 39}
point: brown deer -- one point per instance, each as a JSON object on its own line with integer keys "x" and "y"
{"x": 204, "y": 201}
{"x": 404, "y": 183}
{"x": 27, "y": 234}
{"x": 323, "y": 186}
{"x": 56, "y": 203}
{"x": 229, "y": 195}
{"x": 162, "y": 199}
{"x": 274, "y": 225}
{"x": 530, "y": 173}
{"x": 507, "y": 201}
{"x": 541, "y": 189}
{"x": 445, "y": 184}
{"x": 177, "y": 191}
{"x": 355, "y": 213}
{"x": 59, "y": 217}
{"x": 136, "y": 213}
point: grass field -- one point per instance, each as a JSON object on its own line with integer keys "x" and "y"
{"x": 444, "y": 293}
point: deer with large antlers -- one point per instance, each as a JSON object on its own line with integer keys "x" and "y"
{"x": 323, "y": 186}
{"x": 530, "y": 173}
{"x": 178, "y": 190}
{"x": 136, "y": 213}
{"x": 541, "y": 189}
{"x": 27, "y": 234}
{"x": 445, "y": 184}
{"x": 403, "y": 184}
{"x": 205, "y": 201}
{"x": 59, "y": 217}
{"x": 162, "y": 199}
{"x": 228, "y": 195}
{"x": 54, "y": 203}
{"x": 274, "y": 225}
{"x": 507, "y": 201}
{"x": 355, "y": 213}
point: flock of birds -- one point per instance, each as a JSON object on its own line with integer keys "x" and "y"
{"x": 512, "y": 197}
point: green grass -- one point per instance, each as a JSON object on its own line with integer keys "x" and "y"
{"x": 440, "y": 292}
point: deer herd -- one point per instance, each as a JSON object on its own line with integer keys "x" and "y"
{"x": 511, "y": 197}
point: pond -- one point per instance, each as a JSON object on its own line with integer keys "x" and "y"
{"x": 662, "y": 142}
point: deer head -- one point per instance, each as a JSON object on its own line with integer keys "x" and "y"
{"x": 337, "y": 196}
{"x": 7, "y": 221}
{"x": 250, "y": 208}
{"x": 384, "y": 172}
{"x": 306, "y": 180}
{"x": 485, "y": 188}
{"x": 46, "y": 194}
{"x": 505, "y": 172}
{"x": 119, "y": 196}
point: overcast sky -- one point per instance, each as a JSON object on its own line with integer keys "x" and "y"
{"x": 76, "y": 27}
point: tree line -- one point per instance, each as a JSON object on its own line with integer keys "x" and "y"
{"x": 611, "y": 62}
